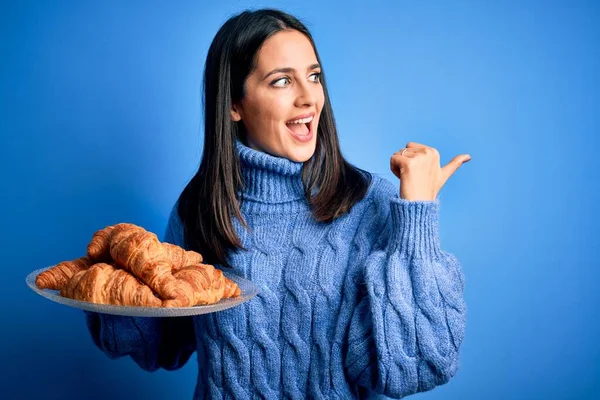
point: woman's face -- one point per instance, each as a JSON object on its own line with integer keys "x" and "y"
{"x": 283, "y": 98}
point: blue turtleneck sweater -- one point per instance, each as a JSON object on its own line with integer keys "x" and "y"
{"x": 368, "y": 303}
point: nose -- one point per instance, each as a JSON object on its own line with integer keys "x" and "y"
{"x": 304, "y": 96}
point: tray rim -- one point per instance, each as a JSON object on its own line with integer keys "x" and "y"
{"x": 251, "y": 290}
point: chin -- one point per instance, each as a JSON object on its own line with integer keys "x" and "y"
{"x": 301, "y": 153}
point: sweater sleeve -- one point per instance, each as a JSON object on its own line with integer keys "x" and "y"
{"x": 152, "y": 343}
{"x": 409, "y": 320}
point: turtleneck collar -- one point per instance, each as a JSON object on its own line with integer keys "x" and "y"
{"x": 269, "y": 179}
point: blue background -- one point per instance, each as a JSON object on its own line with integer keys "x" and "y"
{"x": 101, "y": 123}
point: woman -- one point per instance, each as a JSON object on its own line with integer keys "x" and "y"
{"x": 356, "y": 296}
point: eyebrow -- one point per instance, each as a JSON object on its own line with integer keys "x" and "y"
{"x": 288, "y": 69}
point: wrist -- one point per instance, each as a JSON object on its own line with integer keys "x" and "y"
{"x": 417, "y": 196}
{"x": 415, "y": 228}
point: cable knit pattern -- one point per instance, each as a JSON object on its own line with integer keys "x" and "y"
{"x": 366, "y": 304}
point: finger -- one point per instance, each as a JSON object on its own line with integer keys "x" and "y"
{"x": 396, "y": 164}
{"x": 409, "y": 152}
{"x": 453, "y": 165}
{"x": 399, "y": 162}
{"x": 415, "y": 145}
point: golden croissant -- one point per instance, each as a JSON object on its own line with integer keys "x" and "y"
{"x": 202, "y": 284}
{"x": 104, "y": 284}
{"x": 181, "y": 257}
{"x": 127, "y": 265}
{"x": 141, "y": 253}
{"x": 56, "y": 277}
{"x": 99, "y": 248}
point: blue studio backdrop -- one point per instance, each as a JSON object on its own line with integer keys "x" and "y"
{"x": 101, "y": 122}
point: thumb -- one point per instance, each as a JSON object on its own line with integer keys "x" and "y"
{"x": 453, "y": 165}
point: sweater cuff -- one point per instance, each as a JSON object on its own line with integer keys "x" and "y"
{"x": 415, "y": 228}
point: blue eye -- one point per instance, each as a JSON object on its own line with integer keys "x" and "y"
{"x": 317, "y": 76}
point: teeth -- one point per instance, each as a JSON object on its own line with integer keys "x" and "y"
{"x": 301, "y": 121}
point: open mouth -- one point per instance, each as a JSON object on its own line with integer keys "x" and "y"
{"x": 301, "y": 128}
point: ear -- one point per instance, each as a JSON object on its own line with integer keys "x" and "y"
{"x": 235, "y": 114}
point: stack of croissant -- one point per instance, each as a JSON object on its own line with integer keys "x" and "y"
{"x": 127, "y": 265}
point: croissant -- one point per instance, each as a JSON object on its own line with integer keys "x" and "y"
{"x": 141, "y": 253}
{"x": 181, "y": 257}
{"x": 56, "y": 278}
{"x": 198, "y": 284}
{"x": 99, "y": 247}
{"x": 231, "y": 289}
{"x": 104, "y": 284}
{"x": 127, "y": 265}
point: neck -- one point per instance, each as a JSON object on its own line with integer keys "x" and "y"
{"x": 269, "y": 179}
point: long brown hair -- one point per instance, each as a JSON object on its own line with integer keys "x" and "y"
{"x": 209, "y": 201}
